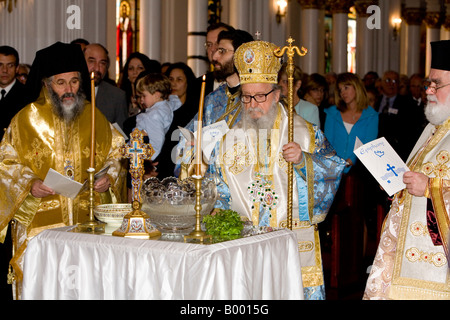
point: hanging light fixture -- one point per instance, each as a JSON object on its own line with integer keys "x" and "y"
{"x": 8, "y": 3}
{"x": 281, "y": 12}
{"x": 396, "y": 22}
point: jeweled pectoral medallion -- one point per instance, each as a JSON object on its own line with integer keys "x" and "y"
{"x": 262, "y": 191}
{"x": 69, "y": 171}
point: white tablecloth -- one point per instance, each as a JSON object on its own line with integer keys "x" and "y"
{"x": 65, "y": 265}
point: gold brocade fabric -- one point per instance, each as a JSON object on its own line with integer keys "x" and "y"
{"x": 408, "y": 265}
{"x": 38, "y": 140}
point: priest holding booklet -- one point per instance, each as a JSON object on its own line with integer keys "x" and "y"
{"x": 412, "y": 257}
{"x": 54, "y": 132}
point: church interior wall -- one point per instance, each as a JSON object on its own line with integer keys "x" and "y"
{"x": 35, "y": 24}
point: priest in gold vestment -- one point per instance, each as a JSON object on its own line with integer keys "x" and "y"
{"x": 412, "y": 257}
{"x": 251, "y": 164}
{"x": 54, "y": 132}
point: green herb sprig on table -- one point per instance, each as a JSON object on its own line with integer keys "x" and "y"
{"x": 223, "y": 224}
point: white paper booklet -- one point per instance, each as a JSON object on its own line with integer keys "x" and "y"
{"x": 211, "y": 135}
{"x": 67, "y": 187}
{"x": 384, "y": 164}
{"x": 62, "y": 185}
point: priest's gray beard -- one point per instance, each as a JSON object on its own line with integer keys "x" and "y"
{"x": 265, "y": 122}
{"x": 437, "y": 113}
{"x": 68, "y": 111}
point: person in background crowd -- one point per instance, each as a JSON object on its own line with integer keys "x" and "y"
{"x": 331, "y": 78}
{"x": 136, "y": 63}
{"x": 111, "y": 100}
{"x": 184, "y": 85}
{"x": 370, "y": 78}
{"x": 22, "y": 74}
{"x": 418, "y": 94}
{"x": 351, "y": 118}
{"x": 81, "y": 42}
{"x": 416, "y": 88}
{"x": 403, "y": 87}
{"x": 316, "y": 92}
{"x": 12, "y": 92}
{"x": 159, "y": 105}
{"x": 211, "y": 46}
{"x": 400, "y": 120}
{"x": 307, "y": 110}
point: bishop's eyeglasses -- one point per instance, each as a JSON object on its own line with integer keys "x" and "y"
{"x": 433, "y": 89}
{"x": 259, "y": 98}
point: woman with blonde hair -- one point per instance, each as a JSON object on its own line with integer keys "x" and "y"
{"x": 352, "y": 214}
{"x": 350, "y": 118}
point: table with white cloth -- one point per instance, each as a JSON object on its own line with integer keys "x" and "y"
{"x": 64, "y": 265}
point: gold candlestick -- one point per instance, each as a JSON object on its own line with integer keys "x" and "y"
{"x": 290, "y": 50}
{"x": 198, "y": 233}
{"x": 92, "y": 225}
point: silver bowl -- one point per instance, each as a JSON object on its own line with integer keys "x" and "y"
{"x": 170, "y": 203}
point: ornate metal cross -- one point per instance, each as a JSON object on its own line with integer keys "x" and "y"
{"x": 290, "y": 51}
{"x": 137, "y": 151}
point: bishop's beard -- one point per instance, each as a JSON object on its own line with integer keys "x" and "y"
{"x": 68, "y": 111}
{"x": 265, "y": 122}
{"x": 436, "y": 112}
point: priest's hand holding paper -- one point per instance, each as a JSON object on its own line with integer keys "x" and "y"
{"x": 40, "y": 190}
{"x": 416, "y": 183}
{"x": 292, "y": 152}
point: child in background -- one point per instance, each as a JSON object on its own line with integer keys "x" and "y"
{"x": 154, "y": 91}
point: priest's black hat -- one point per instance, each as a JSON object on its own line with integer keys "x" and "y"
{"x": 440, "y": 53}
{"x": 56, "y": 59}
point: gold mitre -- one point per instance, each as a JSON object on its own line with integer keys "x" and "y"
{"x": 257, "y": 63}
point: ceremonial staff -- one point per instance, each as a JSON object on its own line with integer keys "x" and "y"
{"x": 290, "y": 51}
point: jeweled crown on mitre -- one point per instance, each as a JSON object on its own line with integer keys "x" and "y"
{"x": 256, "y": 62}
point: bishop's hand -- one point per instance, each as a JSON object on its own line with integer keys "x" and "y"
{"x": 292, "y": 152}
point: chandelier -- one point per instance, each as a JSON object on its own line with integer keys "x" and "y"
{"x": 8, "y": 3}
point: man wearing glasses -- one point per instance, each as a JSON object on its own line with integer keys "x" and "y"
{"x": 400, "y": 117}
{"x": 252, "y": 160}
{"x": 53, "y": 132}
{"x": 211, "y": 46}
{"x": 221, "y": 104}
{"x": 412, "y": 257}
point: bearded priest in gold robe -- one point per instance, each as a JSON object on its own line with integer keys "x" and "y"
{"x": 412, "y": 257}
{"x": 251, "y": 165}
{"x": 54, "y": 132}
